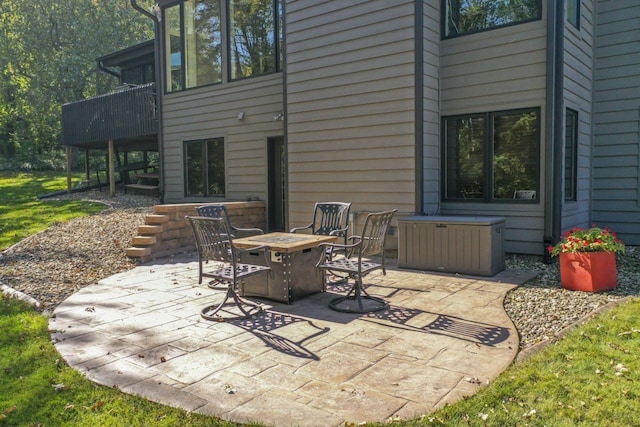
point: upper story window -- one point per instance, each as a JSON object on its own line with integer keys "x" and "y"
{"x": 252, "y": 40}
{"x": 573, "y": 12}
{"x": 492, "y": 157}
{"x": 471, "y": 16}
{"x": 211, "y": 41}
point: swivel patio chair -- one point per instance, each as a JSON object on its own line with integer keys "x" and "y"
{"x": 356, "y": 267}
{"x": 220, "y": 211}
{"x": 214, "y": 242}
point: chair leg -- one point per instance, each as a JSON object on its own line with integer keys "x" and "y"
{"x": 247, "y": 308}
{"x": 358, "y": 301}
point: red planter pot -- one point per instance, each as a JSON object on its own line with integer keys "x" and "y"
{"x": 588, "y": 271}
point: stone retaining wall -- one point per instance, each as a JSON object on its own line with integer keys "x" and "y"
{"x": 167, "y": 232}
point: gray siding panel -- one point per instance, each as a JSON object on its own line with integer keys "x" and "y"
{"x": 497, "y": 70}
{"x": 431, "y": 107}
{"x": 616, "y": 164}
{"x": 578, "y": 95}
{"x": 211, "y": 112}
{"x": 350, "y": 105}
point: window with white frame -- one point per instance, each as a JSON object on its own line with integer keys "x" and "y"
{"x": 492, "y": 157}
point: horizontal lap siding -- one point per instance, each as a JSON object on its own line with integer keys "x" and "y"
{"x": 616, "y": 161}
{"x": 431, "y": 106}
{"x": 498, "y": 70}
{"x": 578, "y": 95}
{"x": 211, "y": 112}
{"x": 350, "y": 105}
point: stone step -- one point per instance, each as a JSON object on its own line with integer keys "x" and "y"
{"x": 149, "y": 230}
{"x": 135, "y": 252}
{"x": 152, "y": 219}
{"x": 144, "y": 240}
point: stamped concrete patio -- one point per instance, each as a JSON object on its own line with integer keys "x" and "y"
{"x": 442, "y": 338}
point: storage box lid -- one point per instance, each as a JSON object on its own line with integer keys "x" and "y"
{"x": 459, "y": 220}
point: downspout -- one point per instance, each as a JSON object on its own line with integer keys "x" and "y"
{"x": 157, "y": 48}
{"x": 554, "y": 130}
{"x": 419, "y": 107}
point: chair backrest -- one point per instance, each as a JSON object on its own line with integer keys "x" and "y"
{"x": 374, "y": 233}
{"x": 215, "y": 211}
{"x": 331, "y": 217}
{"x": 213, "y": 239}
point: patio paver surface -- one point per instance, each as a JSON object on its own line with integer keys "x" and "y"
{"x": 442, "y": 338}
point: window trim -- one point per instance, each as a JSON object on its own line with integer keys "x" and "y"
{"x": 488, "y": 166}
{"x": 574, "y": 19}
{"x": 205, "y": 171}
{"x": 445, "y": 24}
{"x": 573, "y": 194}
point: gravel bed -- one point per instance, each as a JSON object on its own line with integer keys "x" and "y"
{"x": 62, "y": 259}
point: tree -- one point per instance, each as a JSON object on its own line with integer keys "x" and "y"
{"x": 47, "y": 58}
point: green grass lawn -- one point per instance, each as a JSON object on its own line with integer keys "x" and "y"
{"x": 588, "y": 378}
{"x": 22, "y": 214}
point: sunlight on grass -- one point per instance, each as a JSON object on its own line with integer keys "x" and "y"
{"x": 23, "y": 214}
{"x": 587, "y": 378}
{"x": 38, "y": 388}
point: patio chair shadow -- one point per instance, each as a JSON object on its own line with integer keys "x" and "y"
{"x": 451, "y": 326}
{"x": 263, "y": 327}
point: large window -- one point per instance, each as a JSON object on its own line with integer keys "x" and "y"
{"x": 253, "y": 36}
{"x": 205, "y": 38}
{"x": 492, "y": 156}
{"x": 470, "y": 16}
{"x": 194, "y": 44}
{"x": 570, "y": 155}
{"x": 204, "y": 167}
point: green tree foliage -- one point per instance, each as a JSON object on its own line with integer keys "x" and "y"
{"x": 47, "y": 58}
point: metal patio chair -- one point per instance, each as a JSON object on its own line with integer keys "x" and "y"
{"x": 220, "y": 211}
{"x": 371, "y": 242}
{"x": 214, "y": 242}
{"x": 329, "y": 219}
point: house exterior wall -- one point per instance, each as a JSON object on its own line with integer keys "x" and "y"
{"x": 431, "y": 106}
{"x": 496, "y": 70}
{"x": 578, "y": 96}
{"x": 616, "y": 152}
{"x": 350, "y": 95}
{"x": 212, "y": 112}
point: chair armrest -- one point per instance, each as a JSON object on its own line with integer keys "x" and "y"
{"x": 296, "y": 229}
{"x": 249, "y": 231}
{"x": 335, "y": 247}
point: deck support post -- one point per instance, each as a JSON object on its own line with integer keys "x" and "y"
{"x": 69, "y": 161}
{"x": 112, "y": 172}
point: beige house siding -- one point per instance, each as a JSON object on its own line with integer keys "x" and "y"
{"x": 212, "y": 112}
{"x": 578, "y": 95}
{"x": 498, "y": 70}
{"x": 350, "y": 105}
{"x": 616, "y": 153}
{"x": 431, "y": 107}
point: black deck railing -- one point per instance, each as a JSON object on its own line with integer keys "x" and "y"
{"x": 125, "y": 113}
